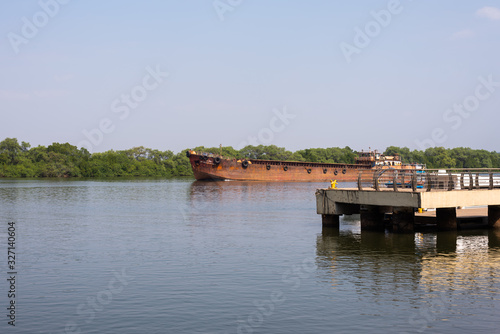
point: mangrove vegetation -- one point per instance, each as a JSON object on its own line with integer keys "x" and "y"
{"x": 20, "y": 160}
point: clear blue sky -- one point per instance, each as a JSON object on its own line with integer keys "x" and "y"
{"x": 348, "y": 73}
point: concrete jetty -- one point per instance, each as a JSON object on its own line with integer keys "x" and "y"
{"x": 400, "y": 195}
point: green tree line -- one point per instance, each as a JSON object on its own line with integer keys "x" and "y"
{"x": 439, "y": 157}
{"x": 272, "y": 152}
{"x": 65, "y": 160}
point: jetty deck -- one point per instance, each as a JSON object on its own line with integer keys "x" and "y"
{"x": 402, "y": 195}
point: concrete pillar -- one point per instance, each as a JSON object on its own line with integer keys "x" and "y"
{"x": 371, "y": 218}
{"x": 330, "y": 220}
{"x": 494, "y": 216}
{"x": 403, "y": 220}
{"x": 329, "y": 233}
{"x": 446, "y": 219}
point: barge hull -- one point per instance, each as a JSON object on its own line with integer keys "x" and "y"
{"x": 208, "y": 168}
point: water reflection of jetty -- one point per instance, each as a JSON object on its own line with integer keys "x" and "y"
{"x": 371, "y": 261}
{"x": 469, "y": 261}
{"x": 441, "y": 261}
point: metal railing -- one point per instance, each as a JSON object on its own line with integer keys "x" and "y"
{"x": 429, "y": 179}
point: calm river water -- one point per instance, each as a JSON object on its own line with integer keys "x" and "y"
{"x": 179, "y": 256}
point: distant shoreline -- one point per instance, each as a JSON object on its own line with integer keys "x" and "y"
{"x": 20, "y": 160}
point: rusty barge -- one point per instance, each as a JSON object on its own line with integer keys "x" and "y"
{"x": 207, "y": 166}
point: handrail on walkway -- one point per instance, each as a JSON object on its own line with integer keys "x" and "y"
{"x": 429, "y": 179}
